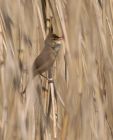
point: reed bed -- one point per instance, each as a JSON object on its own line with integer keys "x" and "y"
{"x": 79, "y": 105}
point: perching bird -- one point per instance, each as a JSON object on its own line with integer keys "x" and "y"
{"x": 48, "y": 55}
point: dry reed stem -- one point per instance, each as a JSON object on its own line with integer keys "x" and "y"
{"x": 83, "y": 71}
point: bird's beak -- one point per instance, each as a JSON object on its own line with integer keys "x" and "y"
{"x": 61, "y": 38}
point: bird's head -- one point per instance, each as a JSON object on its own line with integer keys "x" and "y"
{"x": 56, "y": 38}
{"x": 54, "y": 41}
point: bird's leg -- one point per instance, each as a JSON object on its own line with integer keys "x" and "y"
{"x": 24, "y": 91}
{"x": 44, "y": 76}
{"x": 49, "y": 79}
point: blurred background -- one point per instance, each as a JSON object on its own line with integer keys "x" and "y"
{"x": 80, "y": 104}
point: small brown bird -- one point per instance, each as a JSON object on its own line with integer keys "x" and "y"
{"x": 48, "y": 55}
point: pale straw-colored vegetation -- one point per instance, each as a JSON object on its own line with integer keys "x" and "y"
{"x": 79, "y": 105}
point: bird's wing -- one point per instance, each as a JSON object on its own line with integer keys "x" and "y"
{"x": 44, "y": 60}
